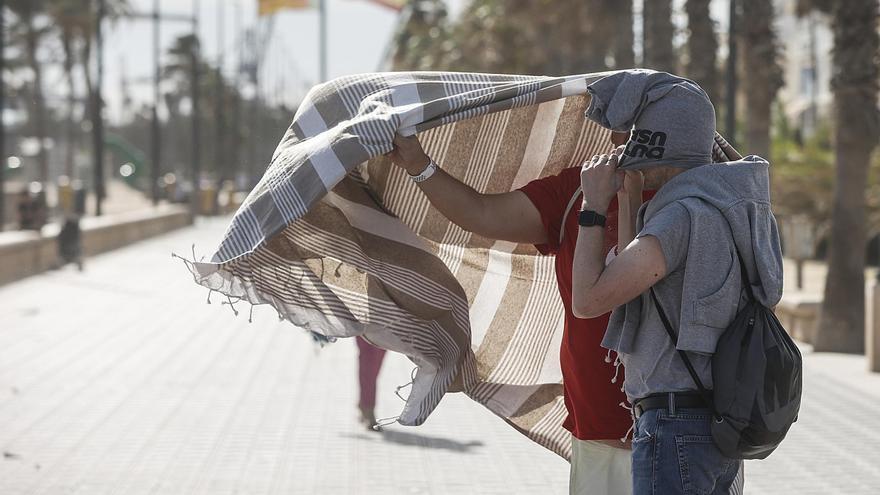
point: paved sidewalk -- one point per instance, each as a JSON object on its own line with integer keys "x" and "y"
{"x": 122, "y": 380}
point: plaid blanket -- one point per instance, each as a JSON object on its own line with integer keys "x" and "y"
{"x": 340, "y": 242}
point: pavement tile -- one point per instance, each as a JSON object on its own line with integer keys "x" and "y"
{"x": 121, "y": 380}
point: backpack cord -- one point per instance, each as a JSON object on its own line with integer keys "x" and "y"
{"x": 747, "y": 284}
{"x": 684, "y": 357}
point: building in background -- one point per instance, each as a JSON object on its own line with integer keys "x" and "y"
{"x": 806, "y": 42}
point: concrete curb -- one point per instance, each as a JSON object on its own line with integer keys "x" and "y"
{"x": 26, "y": 253}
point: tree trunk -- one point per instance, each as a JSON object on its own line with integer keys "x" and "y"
{"x": 855, "y": 87}
{"x": 419, "y": 40}
{"x": 220, "y": 144}
{"x": 38, "y": 105}
{"x": 702, "y": 47}
{"x": 622, "y": 49}
{"x": 658, "y": 30}
{"x": 86, "y": 57}
{"x": 592, "y": 37}
{"x": 764, "y": 76}
{"x": 69, "y": 126}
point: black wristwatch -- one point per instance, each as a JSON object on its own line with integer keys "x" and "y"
{"x": 589, "y": 218}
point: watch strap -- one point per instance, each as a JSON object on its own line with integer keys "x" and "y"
{"x": 589, "y": 218}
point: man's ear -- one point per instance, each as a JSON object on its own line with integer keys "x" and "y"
{"x": 618, "y": 138}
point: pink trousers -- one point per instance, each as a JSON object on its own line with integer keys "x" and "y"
{"x": 369, "y": 362}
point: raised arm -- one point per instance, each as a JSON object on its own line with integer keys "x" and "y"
{"x": 596, "y": 288}
{"x": 509, "y": 216}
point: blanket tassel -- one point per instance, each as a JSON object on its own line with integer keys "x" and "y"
{"x": 232, "y": 304}
{"x": 381, "y": 423}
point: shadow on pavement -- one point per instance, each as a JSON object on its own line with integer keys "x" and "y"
{"x": 417, "y": 440}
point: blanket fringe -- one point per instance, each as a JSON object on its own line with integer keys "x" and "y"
{"x": 412, "y": 379}
{"x": 383, "y": 422}
{"x": 232, "y": 303}
{"x": 319, "y": 339}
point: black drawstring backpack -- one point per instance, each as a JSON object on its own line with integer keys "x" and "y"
{"x": 757, "y": 375}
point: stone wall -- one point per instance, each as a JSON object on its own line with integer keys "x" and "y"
{"x": 27, "y": 253}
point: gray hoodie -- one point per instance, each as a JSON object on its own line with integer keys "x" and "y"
{"x": 714, "y": 195}
{"x": 701, "y": 296}
{"x": 673, "y": 124}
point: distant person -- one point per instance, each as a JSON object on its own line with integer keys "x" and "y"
{"x": 26, "y": 220}
{"x": 70, "y": 242}
{"x": 370, "y": 360}
{"x": 41, "y": 210}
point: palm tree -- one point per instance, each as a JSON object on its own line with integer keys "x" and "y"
{"x": 177, "y": 70}
{"x": 855, "y": 84}
{"x": 657, "y": 32}
{"x": 537, "y": 37}
{"x": 74, "y": 21}
{"x": 27, "y": 13}
{"x": 702, "y": 47}
{"x": 178, "y": 67}
{"x": 761, "y": 58}
{"x": 67, "y": 15}
{"x": 419, "y": 39}
{"x": 590, "y": 25}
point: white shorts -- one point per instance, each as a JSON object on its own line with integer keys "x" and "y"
{"x": 599, "y": 469}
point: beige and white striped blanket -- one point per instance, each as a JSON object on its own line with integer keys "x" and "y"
{"x": 342, "y": 243}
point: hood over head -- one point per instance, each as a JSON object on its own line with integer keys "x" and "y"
{"x": 670, "y": 118}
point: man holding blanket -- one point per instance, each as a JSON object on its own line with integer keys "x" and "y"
{"x": 541, "y": 213}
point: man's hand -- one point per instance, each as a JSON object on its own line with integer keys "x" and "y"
{"x": 409, "y": 155}
{"x": 600, "y": 180}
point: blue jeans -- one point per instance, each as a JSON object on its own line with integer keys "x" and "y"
{"x": 673, "y": 452}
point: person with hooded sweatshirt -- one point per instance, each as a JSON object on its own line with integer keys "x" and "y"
{"x": 685, "y": 251}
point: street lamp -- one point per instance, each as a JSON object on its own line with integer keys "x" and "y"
{"x": 156, "y": 16}
{"x": 97, "y": 111}
{"x": 878, "y": 258}
{"x": 730, "y": 97}
{"x": 2, "y": 127}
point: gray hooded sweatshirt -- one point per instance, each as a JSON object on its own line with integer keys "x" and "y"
{"x": 673, "y": 124}
{"x": 692, "y": 216}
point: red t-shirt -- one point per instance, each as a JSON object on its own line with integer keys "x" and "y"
{"x": 592, "y": 401}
